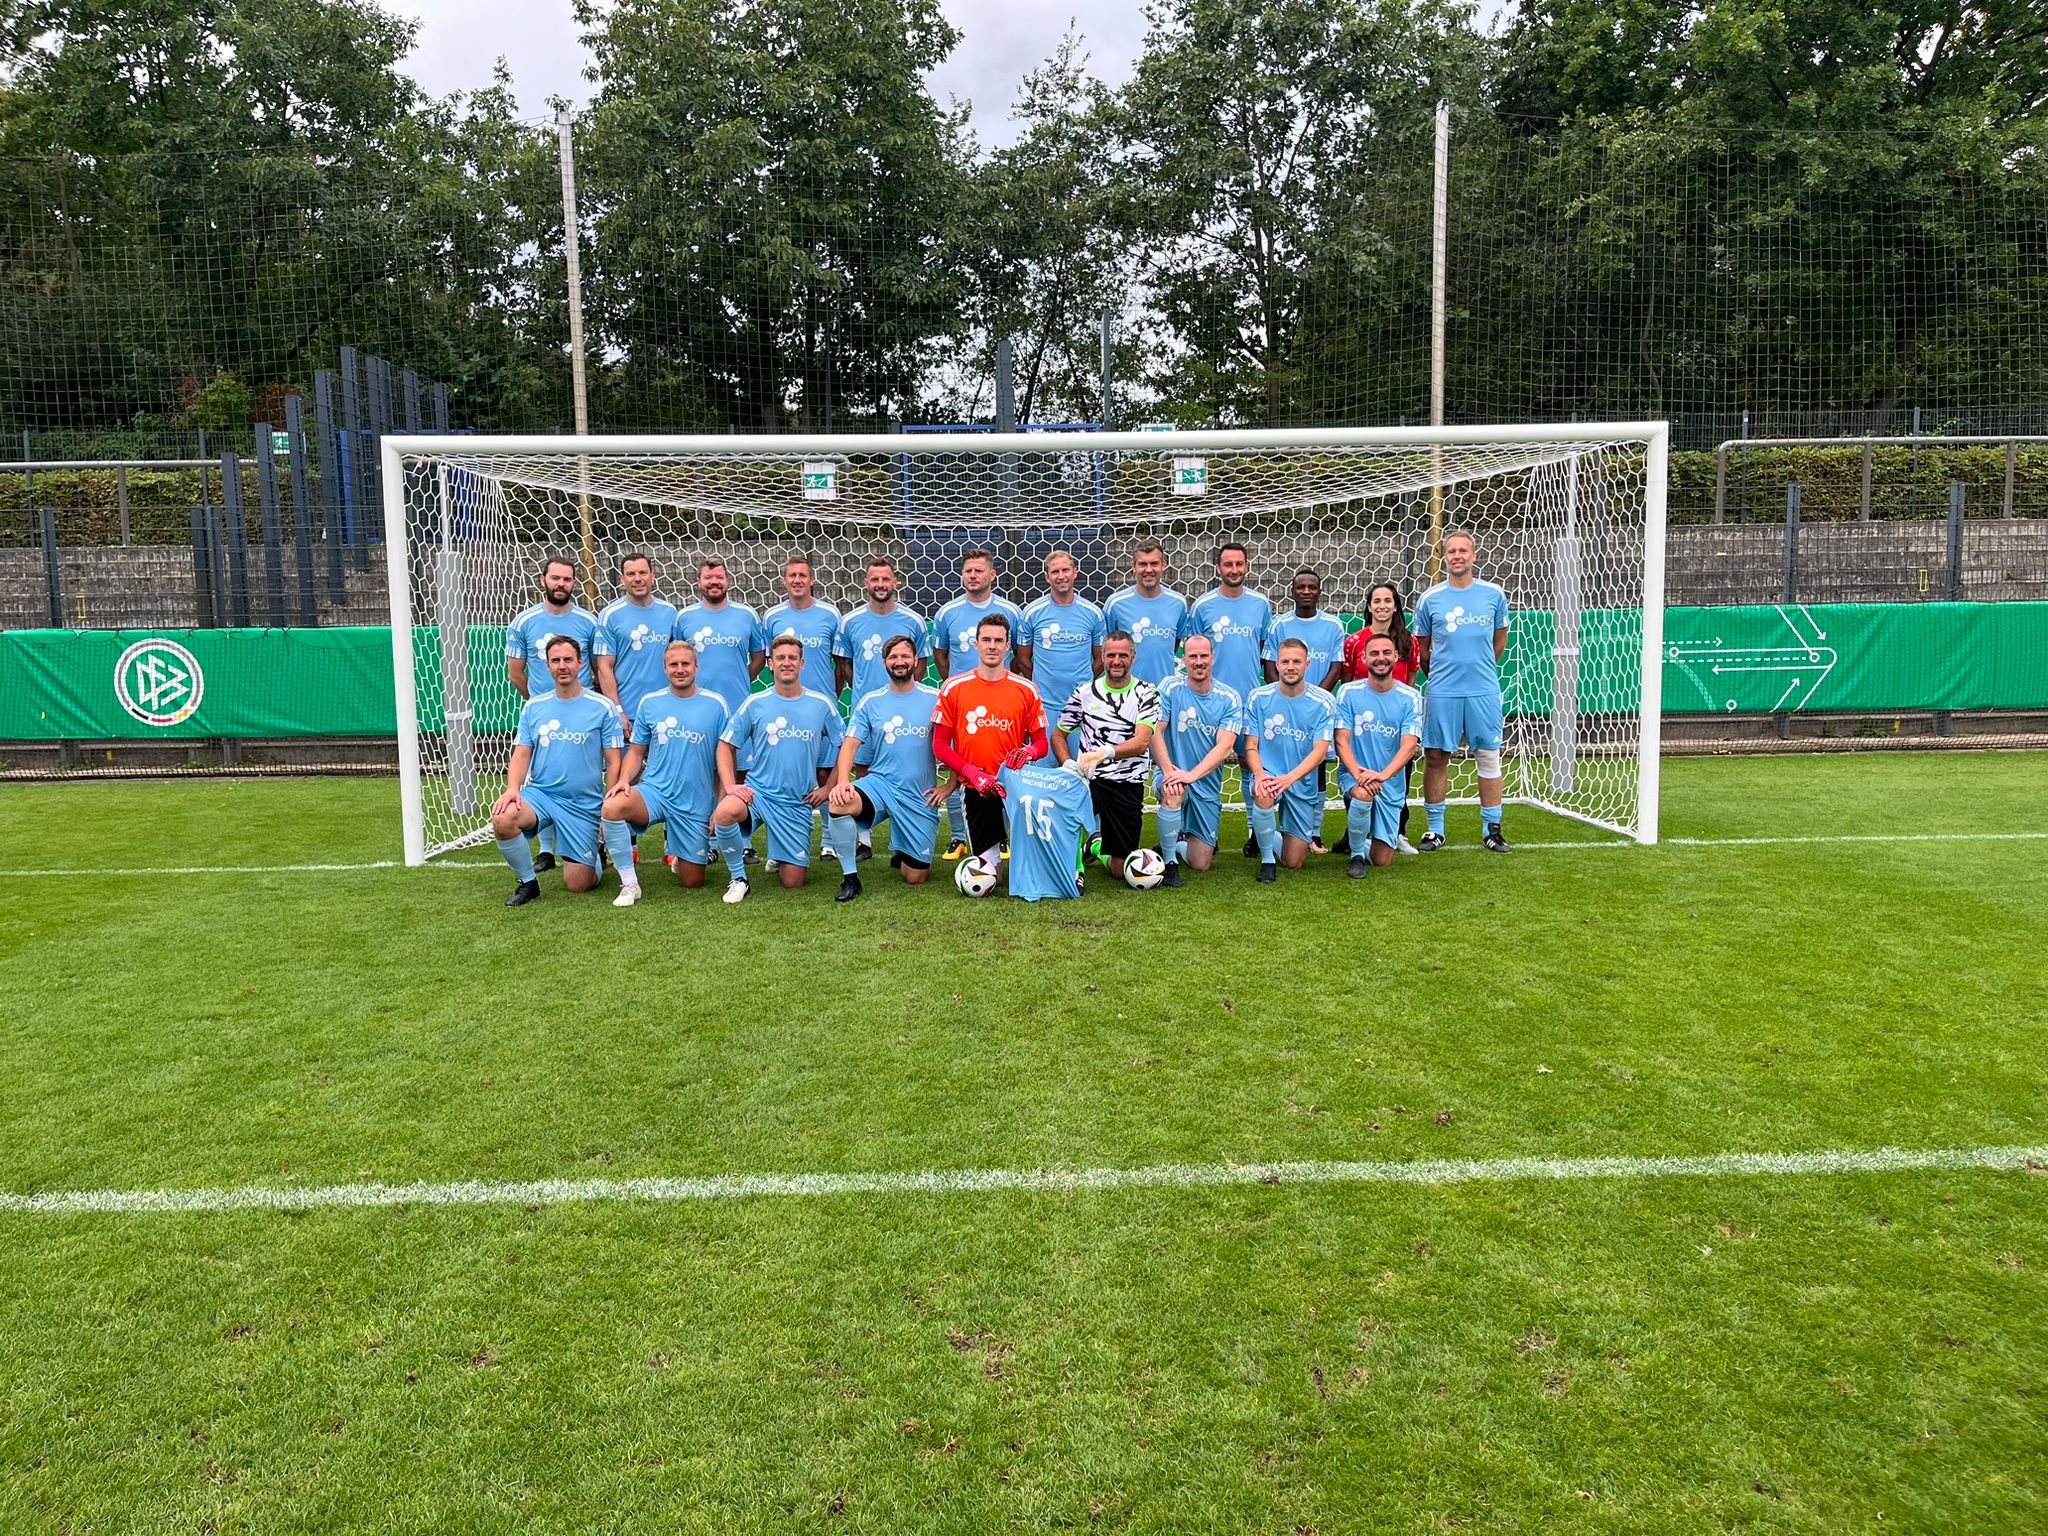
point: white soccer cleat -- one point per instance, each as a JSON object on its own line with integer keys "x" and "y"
{"x": 628, "y": 894}
{"x": 1407, "y": 847}
{"x": 735, "y": 893}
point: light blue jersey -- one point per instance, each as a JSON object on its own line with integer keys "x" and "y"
{"x": 1156, "y": 624}
{"x": 1321, "y": 633}
{"x": 1190, "y": 719}
{"x": 1289, "y": 730}
{"x": 863, "y": 633}
{"x": 1377, "y": 721}
{"x": 954, "y": 625}
{"x": 1062, "y": 637}
{"x": 1459, "y": 626}
{"x": 817, "y": 626}
{"x": 681, "y": 736}
{"x": 1048, "y": 812}
{"x": 785, "y": 740}
{"x": 635, "y": 636}
{"x": 568, "y": 738}
{"x": 529, "y": 633}
{"x": 895, "y": 732}
{"x": 1237, "y": 627}
{"x": 726, "y": 638}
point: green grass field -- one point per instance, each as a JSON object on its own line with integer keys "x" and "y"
{"x": 1641, "y": 1353}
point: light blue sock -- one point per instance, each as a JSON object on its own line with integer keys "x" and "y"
{"x": 1169, "y": 834}
{"x": 1490, "y": 815}
{"x": 518, "y": 855}
{"x": 1358, "y": 822}
{"x": 1266, "y": 828}
{"x": 842, "y": 836}
{"x": 956, "y": 815}
{"x": 1436, "y": 817}
{"x": 618, "y": 842}
{"x": 547, "y": 839}
{"x": 733, "y": 849}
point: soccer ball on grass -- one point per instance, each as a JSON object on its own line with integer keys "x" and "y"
{"x": 1143, "y": 869}
{"x": 976, "y": 875}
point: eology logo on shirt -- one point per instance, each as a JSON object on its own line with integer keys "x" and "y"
{"x": 709, "y": 636}
{"x": 871, "y": 647}
{"x": 1277, "y": 727}
{"x": 780, "y": 730}
{"x": 552, "y": 732}
{"x": 979, "y": 718}
{"x": 641, "y": 636}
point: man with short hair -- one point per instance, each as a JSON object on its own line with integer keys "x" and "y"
{"x": 1287, "y": 736}
{"x": 864, "y": 631}
{"x": 565, "y": 755}
{"x": 1059, "y": 646}
{"x": 1378, "y": 731}
{"x": 891, "y": 734}
{"x": 1155, "y": 616}
{"x": 954, "y": 650}
{"x": 790, "y": 736}
{"x": 813, "y": 622}
{"x": 1461, "y": 633}
{"x": 526, "y": 643}
{"x": 986, "y": 720}
{"x": 1114, "y": 716}
{"x": 1236, "y": 620}
{"x": 633, "y": 631}
{"x": 674, "y": 756}
{"x": 1321, "y": 632}
{"x": 1200, "y": 721}
{"x": 727, "y": 635}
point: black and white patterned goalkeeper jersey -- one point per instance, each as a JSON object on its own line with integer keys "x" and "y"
{"x": 1099, "y": 716}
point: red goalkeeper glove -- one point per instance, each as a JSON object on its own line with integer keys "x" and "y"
{"x": 983, "y": 782}
{"x": 1017, "y": 758}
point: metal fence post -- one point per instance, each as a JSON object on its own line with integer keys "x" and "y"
{"x": 121, "y": 496}
{"x": 2012, "y": 465}
{"x": 1792, "y": 542}
{"x": 53, "y": 573}
{"x": 302, "y": 508}
{"x": 440, "y": 407}
{"x": 1863, "y": 506}
{"x": 237, "y": 538}
{"x": 202, "y": 569}
{"x": 273, "y": 527}
{"x": 412, "y": 401}
{"x": 1956, "y": 492}
{"x": 350, "y": 486}
{"x": 330, "y": 484}
{"x": 379, "y": 372}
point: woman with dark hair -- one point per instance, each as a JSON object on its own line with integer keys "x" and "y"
{"x": 1385, "y": 614}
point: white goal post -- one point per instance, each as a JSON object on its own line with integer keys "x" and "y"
{"x": 1569, "y": 520}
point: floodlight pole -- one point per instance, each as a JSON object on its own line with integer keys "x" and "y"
{"x": 1439, "y": 267}
{"x": 572, "y": 250}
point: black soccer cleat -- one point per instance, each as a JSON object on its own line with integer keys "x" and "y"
{"x": 1431, "y": 841}
{"x": 750, "y": 856}
{"x": 525, "y": 891}
{"x": 1251, "y": 846}
{"x": 1268, "y": 873}
{"x": 1358, "y": 868}
{"x": 543, "y": 862}
{"x": 1171, "y": 879}
{"x": 895, "y": 860}
{"x": 1496, "y": 842}
{"x": 863, "y": 852}
{"x": 1342, "y": 845}
{"x": 848, "y": 888}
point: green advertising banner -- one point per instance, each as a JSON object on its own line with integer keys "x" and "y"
{"x": 103, "y": 685}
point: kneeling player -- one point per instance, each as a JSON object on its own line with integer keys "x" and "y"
{"x": 1200, "y": 721}
{"x": 675, "y": 740}
{"x": 568, "y": 753}
{"x": 1379, "y": 731}
{"x": 1113, "y": 716}
{"x": 1287, "y": 736}
{"x": 790, "y": 738}
{"x": 892, "y": 729}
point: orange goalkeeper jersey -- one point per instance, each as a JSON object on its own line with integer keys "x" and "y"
{"x": 989, "y": 720}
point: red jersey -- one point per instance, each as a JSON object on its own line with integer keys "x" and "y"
{"x": 1354, "y": 659}
{"x": 989, "y": 720}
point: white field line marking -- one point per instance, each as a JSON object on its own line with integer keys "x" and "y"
{"x": 159, "y": 1202}
{"x": 1564, "y": 847}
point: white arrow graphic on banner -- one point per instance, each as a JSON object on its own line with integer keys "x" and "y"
{"x": 1804, "y": 664}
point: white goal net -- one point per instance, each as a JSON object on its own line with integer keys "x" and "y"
{"x": 1568, "y": 520}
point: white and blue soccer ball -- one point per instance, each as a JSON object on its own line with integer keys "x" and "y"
{"x": 976, "y": 876}
{"x": 1143, "y": 869}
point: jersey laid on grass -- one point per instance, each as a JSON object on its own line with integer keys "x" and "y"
{"x": 1156, "y": 625}
{"x": 1100, "y": 716}
{"x": 1289, "y": 729}
{"x": 1189, "y": 719}
{"x": 568, "y": 737}
{"x": 681, "y": 738}
{"x": 953, "y": 629}
{"x": 636, "y": 636}
{"x": 1377, "y": 721}
{"x": 1062, "y": 637}
{"x": 895, "y": 734}
{"x": 726, "y": 638}
{"x": 529, "y": 633}
{"x": 1237, "y": 627}
{"x": 785, "y": 740}
{"x": 989, "y": 720}
{"x": 1322, "y": 633}
{"x": 863, "y": 633}
{"x": 1459, "y": 626}
{"x": 817, "y": 626}
{"x": 1047, "y": 812}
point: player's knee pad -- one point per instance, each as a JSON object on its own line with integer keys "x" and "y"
{"x": 1488, "y": 759}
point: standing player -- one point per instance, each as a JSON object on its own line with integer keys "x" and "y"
{"x": 565, "y": 757}
{"x": 727, "y": 636}
{"x": 675, "y": 740}
{"x": 1461, "y": 632}
{"x": 632, "y": 638}
{"x": 526, "y": 643}
{"x": 1115, "y": 714}
{"x": 891, "y": 730}
{"x": 1385, "y": 614}
{"x": 1287, "y": 736}
{"x": 816, "y": 624}
{"x": 1155, "y": 617}
{"x": 954, "y": 650}
{"x": 791, "y": 738}
{"x": 857, "y": 652}
{"x": 1236, "y": 620}
{"x": 1200, "y": 721}
{"x": 1379, "y": 731}
{"x": 1059, "y": 646}
{"x": 1050, "y": 815}
{"x": 1321, "y": 632}
{"x": 986, "y": 720}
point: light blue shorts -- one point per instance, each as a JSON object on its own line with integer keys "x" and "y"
{"x": 1300, "y": 811}
{"x": 1448, "y": 721}
{"x": 1379, "y": 820}
{"x": 1201, "y": 811}
{"x": 686, "y": 828}
{"x": 788, "y": 820}
{"x": 575, "y": 824}
{"x": 913, "y": 825}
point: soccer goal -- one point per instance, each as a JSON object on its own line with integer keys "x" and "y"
{"x": 1569, "y": 519}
